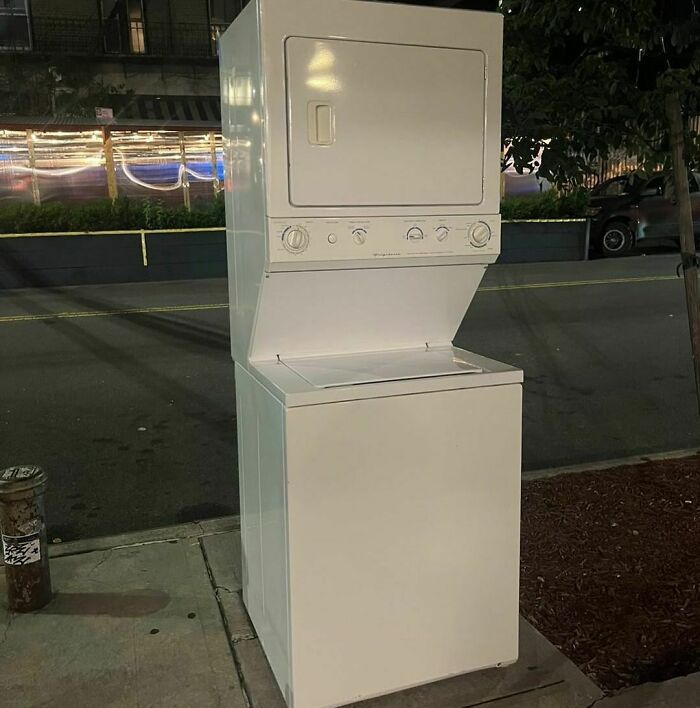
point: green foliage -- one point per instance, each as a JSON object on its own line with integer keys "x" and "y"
{"x": 583, "y": 80}
{"x": 106, "y": 215}
{"x": 547, "y": 205}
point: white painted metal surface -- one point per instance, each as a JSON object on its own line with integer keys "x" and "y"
{"x": 403, "y": 528}
{"x": 405, "y": 124}
{"x": 382, "y": 24}
{"x": 375, "y": 367}
{"x": 293, "y": 390}
{"x": 378, "y": 464}
{"x": 378, "y": 241}
{"x": 396, "y": 521}
{"x": 246, "y": 231}
{"x": 314, "y": 312}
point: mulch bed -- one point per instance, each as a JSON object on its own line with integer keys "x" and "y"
{"x": 611, "y": 569}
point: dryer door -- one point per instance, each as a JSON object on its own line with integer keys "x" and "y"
{"x": 374, "y": 124}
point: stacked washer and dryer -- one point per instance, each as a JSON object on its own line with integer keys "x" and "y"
{"x": 379, "y": 465}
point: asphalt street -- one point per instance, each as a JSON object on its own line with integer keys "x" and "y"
{"x": 125, "y": 393}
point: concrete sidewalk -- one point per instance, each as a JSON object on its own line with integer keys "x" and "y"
{"x": 157, "y": 619}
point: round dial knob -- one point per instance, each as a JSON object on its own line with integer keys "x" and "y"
{"x": 359, "y": 236}
{"x": 414, "y": 234}
{"x": 442, "y": 232}
{"x": 479, "y": 234}
{"x": 295, "y": 239}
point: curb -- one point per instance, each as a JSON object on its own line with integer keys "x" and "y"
{"x": 609, "y": 464}
{"x": 193, "y": 529}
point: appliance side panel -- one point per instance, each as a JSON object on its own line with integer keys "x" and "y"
{"x": 493, "y": 145}
{"x": 327, "y": 312}
{"x": 249, "y": 486}
{"x": 264, "y": 520}
{"x": 273, "y": 516}
{"x": 241, "y": 114}
{"x": 404, "y": 520}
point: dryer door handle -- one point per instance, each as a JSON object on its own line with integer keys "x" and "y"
{"x": 321, "y": 123}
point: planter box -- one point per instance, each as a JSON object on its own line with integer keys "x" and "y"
{"x": 42, "y": 261}
{"x": 537, "y": 241}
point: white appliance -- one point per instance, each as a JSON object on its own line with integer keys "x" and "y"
{"x": 379, "y": 466}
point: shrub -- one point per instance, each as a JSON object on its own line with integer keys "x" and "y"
{"x": 108, "y": 215}
{"x": 546, "y": 205}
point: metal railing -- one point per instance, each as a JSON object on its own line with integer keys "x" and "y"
{"x": 79, "y": 35}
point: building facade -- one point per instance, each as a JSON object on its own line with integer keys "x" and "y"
{"x": 148, "y": 60}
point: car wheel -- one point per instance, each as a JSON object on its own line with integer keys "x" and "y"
{"x": 617, "y": 239}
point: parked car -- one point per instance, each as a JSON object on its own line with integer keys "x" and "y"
{"x": 629, "y": 210}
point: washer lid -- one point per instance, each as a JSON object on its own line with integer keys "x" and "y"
{"x": 375, "y": 367}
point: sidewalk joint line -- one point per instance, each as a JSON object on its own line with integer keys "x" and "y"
{"x": 227, "y": 629}
{"x": 517, "y": 693}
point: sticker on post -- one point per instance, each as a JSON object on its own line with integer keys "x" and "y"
{"x": 21, "y": 550}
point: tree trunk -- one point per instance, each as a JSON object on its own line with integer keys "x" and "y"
{"x": 674, "y": 115}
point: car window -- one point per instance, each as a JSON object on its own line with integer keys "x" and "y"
{"x": 656, "y": 184}
{"x": 613, "y": 188}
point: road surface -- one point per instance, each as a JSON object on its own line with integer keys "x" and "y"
{"x": 125, "y": 392}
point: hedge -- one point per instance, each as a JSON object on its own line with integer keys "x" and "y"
{"x": 546, "y": 205}
{"x": 131, "y": 214}
{"x": 108, "y": 215}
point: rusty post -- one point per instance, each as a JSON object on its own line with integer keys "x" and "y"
{"x": 25, "y": 549}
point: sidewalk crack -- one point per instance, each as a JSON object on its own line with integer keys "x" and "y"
{"x": 100, "y": 562}
{"x": 225, "y": 589}
{"x": 6, "y": 631}
{"x": 243, "y": 638}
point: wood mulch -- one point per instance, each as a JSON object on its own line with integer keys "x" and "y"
{"x": 611, "y": 569}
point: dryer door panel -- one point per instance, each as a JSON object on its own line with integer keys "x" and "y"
{"x": 384, "y": 124}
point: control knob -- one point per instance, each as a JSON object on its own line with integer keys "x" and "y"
{"x": 359, "y": 236}
{"x": 295, "y": 239}
{"x": 442, "y": 232}
{"x": 414, "y": 234}
{"x": 479, "y": 234}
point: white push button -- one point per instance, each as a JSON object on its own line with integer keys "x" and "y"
{"x": 332, "y": 238}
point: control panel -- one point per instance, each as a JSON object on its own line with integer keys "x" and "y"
{"x": 319, "y": 240}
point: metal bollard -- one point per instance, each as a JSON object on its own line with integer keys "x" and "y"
{"x": 23, "y": 526}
